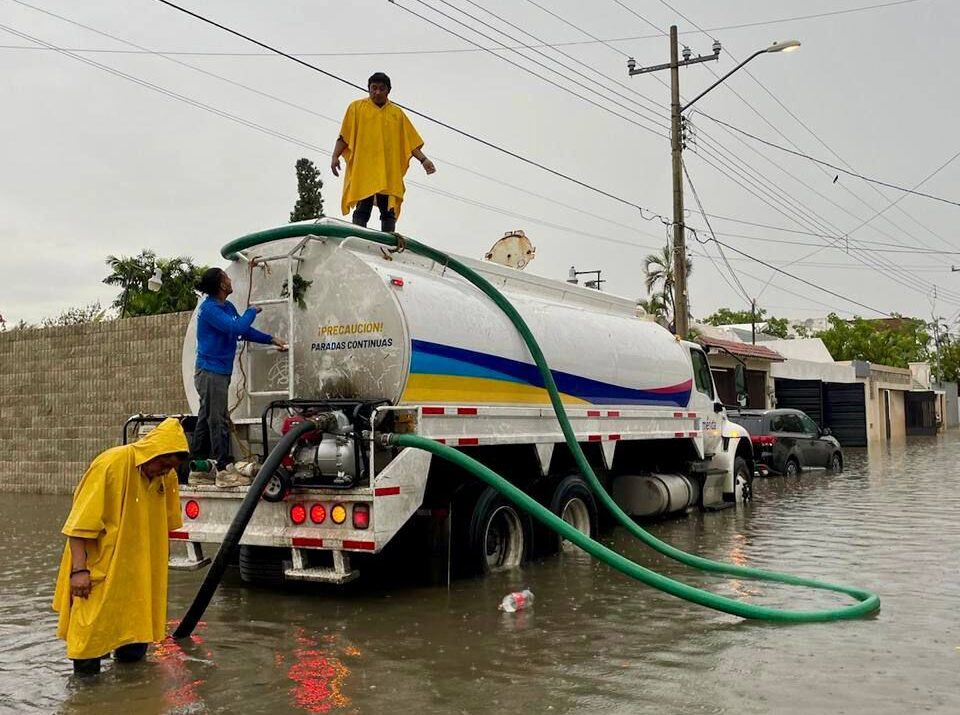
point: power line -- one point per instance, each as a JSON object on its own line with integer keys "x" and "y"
{"x": 497, "y": 180}
{"x": 438, "y": 122}
{"x": 839, "y": 168}
{"x": 303, "y": 144}
{"x": 696, "y": 196}
{"x": 796, "y": 277}
{"x": 812, "y": 133}
{"x": 559, "y": 86}
{"x": 465, "y": 50}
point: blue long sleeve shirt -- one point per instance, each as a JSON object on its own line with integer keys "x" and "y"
{"x": 219, "y": 327}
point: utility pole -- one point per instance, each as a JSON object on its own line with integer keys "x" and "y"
{"x": 753, "y": 322}
{"x": 680, "y": 304}
{"x": 681, "y": 308}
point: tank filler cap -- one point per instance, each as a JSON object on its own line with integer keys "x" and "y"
{"x": 514, "y": 250}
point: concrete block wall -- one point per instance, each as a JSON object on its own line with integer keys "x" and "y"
{"x": 66, "y": 392}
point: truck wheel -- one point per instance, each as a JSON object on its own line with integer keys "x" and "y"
{"x": 742, "y": 480}
{"x": 573, "y": 502}
{"x": 262, "y": 565}
{"x": 792, "y": 467}
{"x": 499, "y": 536}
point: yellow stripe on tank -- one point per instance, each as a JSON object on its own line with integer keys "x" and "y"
{"x": 453, "y": 388}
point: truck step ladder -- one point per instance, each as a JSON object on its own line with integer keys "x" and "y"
{"x": 339, "y": 573}
{"x": 292, "y": 259}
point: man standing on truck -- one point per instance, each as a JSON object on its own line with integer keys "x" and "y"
{"x": 111, "y": 590}
{"x": 377, "y": 141}
{"x": 219, "y": 327}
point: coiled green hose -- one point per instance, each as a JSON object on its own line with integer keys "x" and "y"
{"x": 867, "y": 602}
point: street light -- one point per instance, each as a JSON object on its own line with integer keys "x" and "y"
{"x": 595, "y": 283}
{"x": 680, "y": 309}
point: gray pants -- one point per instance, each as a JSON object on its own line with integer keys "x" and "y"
{"x": 211, "y": 436}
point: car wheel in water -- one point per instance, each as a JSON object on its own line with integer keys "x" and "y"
{"x": 792, "y": 468}
{"x": 836, "y": 463}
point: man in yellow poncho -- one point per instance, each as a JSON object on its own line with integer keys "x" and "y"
{"x": 111, "y": 591}
{"x": 377, "y": 140}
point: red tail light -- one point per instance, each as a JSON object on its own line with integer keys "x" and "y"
{"x": 764, "y": 440}
{"x": 298, "y": 514}
{"x": 191, "y": 509}
{"x": 318, "y": 513}
{"x": 361, "y": 516}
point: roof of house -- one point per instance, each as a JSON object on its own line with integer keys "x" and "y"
{"x": 746, "y": 350}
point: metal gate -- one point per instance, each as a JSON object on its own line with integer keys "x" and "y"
{"x": 803, "y": 395}
{"x": 838, "y": 405}
{"x": 846, "y": 412}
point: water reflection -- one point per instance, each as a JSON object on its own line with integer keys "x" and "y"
{"x": 593, "y": 642}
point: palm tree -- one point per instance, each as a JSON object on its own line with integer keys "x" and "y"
{"x": 656, "y": 307}
{"x": 658, "y": 268}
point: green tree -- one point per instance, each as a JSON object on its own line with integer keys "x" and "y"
{"x": 658, "y": 271}
{"x": 177, "y": 291}
{"x": 894, "y": 341}
{"x": 778, "y": 327}
{"x": 310, "y": 202}
{"x": 656, "y": 307}
{"x": 80, "y": 315}
{"x": 949, "y": 362}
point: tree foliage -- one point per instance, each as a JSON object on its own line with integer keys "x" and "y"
{"x": 894, "y": 341}
{"x": 309, "y": 184}
{"x": 778, "y": 327}
{"x": 659, "y": 281}
{"x": 80, "y": 315}
{"x": 131, "y": 274}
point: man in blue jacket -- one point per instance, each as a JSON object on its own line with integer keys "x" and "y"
{"x": 219, "y": 328}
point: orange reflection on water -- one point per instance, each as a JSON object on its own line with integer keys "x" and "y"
{"x": 319, "y": 675}
{"x": 738, "y": 555}
{"x": 169, "y": 654}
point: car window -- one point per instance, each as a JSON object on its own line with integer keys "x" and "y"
{"x": 701, "y": 373}
{"x": 809, "y": 426}
{"x": 792, "y": 423}
{"x": 776, "y": 424}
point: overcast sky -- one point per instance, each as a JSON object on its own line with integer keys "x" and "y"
{"x": 96, "y": 164}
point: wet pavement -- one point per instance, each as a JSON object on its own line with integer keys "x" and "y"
{"x": 594, "y": 641}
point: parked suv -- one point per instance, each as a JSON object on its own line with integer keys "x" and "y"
{"x": 788, "y": 441}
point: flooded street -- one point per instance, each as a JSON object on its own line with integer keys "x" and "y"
{"x": 594, "y": 642}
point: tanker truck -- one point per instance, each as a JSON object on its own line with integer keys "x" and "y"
{"x": 388, "y": 341}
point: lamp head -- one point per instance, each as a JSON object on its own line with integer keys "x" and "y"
{"x": 155, "y": 282}
{"x": 631, "y": 64}
{"x": 785, "y": 46}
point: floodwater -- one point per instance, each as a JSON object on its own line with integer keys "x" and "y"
{"x": 594, "y": 641}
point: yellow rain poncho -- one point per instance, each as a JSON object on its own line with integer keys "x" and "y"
{"x": 379, "y": 142}
{"x": 125, "y": 516}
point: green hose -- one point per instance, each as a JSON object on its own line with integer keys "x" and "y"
{"x": 867, "y": 602}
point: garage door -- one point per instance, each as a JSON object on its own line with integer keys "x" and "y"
{"x": 846, "y": 412}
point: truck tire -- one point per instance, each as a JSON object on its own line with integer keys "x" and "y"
{"x": 573, "y": 502}
{"x": 261, "y": 565}
{"x": 499, "y": 536}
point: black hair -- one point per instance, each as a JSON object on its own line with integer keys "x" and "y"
{"x": 209, "y": 282}
{"x": 379, "y": 77}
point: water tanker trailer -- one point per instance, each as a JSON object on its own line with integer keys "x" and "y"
{"x": 389, "y": 341}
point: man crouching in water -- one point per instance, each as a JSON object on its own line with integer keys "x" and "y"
{"x": 111, "y": 591}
